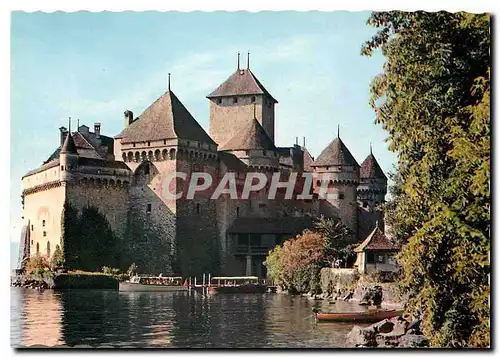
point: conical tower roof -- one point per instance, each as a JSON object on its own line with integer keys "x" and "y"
{"x": 252, "y": 136}
{"x": 69, "y": 146}
{"x": 241, "y": 82}
{"x": 166, "y": 118}
{"x": 336, "y": 153}
{"x": 376, "y": 241}
{"x": 371, "y": 169}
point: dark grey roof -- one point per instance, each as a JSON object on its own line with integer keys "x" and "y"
{"x": 283, "y": 225}
{"x": 69, "y": 145}
{"x": 336, "y": 153}
{"x": 166, "y": 118}
{"x": 241, "y": 82}
{"x": 232, "y": 162}
{"x": 44, "y": 166}
{"x": 251, "y": 136}
{"x": 371, "y": 169}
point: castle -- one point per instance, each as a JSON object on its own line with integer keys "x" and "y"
{"x": 122, "y": 178}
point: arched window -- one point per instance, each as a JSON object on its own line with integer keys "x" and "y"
{"x": 157, "y": 155}
{"x": 48, "y": 248}
{"x": 164, "y": 154}
{"x": 137, "y": 156}
{"x": 124, "y": 156}
{"x": 150, "y": 155}
{"x": 143, "y": 156}
{"x": 130, "y": 156}
{"x": 172, "y": 153}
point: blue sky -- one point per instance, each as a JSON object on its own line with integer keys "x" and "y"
{"x": 93, "y": 66}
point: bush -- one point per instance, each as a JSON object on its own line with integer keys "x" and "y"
{"x": 36, "y": 266}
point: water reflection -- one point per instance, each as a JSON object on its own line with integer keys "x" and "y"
{"x": 169, "y": 319}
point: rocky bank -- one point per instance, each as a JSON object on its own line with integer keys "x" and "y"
{"x": 397, "y": 332}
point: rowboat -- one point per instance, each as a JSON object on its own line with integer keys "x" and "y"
{"x": 365, "y": 316}
{"x": 153, "y": 283}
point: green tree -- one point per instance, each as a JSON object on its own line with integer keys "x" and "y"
{"x": 274, "y": 265}
{"x": 433, "y": 98}
{"x": 339, "y": 240}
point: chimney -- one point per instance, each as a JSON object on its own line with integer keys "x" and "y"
{"x": 129, "y": 118}
{"x": 63, "y": 131}
{"x": 97, "y": 130}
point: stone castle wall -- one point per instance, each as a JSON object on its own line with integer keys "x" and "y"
{"x": 43, "y": 212}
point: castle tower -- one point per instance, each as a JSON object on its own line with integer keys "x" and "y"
{"x": 371, "y": 193}
{"x": 338, "y": 171}
{"x": 163, "y": 140}
{"x": 253, "y": 146}
{"x": 68, "y": 156}
{"x": 232, "y": 105}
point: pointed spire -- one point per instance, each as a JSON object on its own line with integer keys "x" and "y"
{"x": 371, "y": 152}
{"x": 304, "y": 142}
{"x": 338, "y": 130}
{"x": 238, "y": 60}
{"x": 169, "y": 81}
{"x": 248, "y": 60}
{"x": 77, "y": 124}
{"x": 69, "y": 145}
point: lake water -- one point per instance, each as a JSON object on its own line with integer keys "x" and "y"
{"x": 100, "y": 318}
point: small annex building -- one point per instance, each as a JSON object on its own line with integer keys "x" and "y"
{"x": 376, "y": 253}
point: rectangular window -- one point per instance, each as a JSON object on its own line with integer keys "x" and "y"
{"x": 235, "y": 99}
{"x": 44, "y": 233}
{"x": 149, "y": 144}
{"x": 341, "y": 196}
{"x": 148, "y": 208}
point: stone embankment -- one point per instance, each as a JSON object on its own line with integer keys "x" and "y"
{"x": 69, "y": 280}
{"x": 397, "y": 332}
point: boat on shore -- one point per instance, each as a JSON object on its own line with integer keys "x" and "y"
{"x": 153, "y": 283}
{"x": 365, "y": 316}
{"x": 236, "y": 284}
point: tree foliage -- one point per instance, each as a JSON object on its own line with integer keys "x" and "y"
{"x": 339, "y": 240}
{"x": 433, "y": 98}
{"x": 88, "y": 241}
{"x": 296, "y": 263}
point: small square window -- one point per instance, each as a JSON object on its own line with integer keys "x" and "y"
{"x": 341, "y": 196}
{"x": 133, "y": 145}
{"x": 164, "y": 142}
{"x": 253, "y": 99}
{"x": 148, "y": 208}
{"x": 235, "y": 99}
{"x": 149, "y": 144}
{"x": 44, "y": 233}
{"x": 219, "y": 100}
